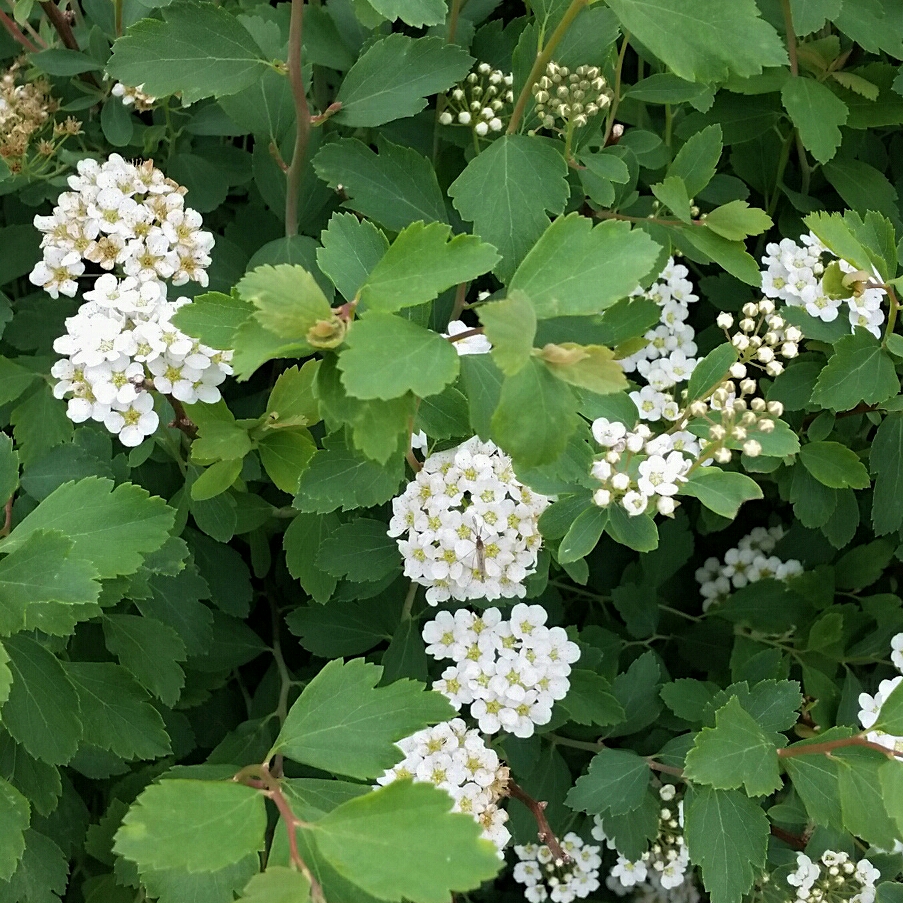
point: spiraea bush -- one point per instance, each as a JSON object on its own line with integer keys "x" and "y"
{"x": 452, "y": 451}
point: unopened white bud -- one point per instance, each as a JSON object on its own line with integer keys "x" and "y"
{"x": 750, "y": 309}
{"x": 446, "y": 118}
{"x": 717, "y": 432}
{"x": 620, "y": 481}
{"x": 464, "y": 117}
{"x": 775, "y": 368}
{"x": 723, "y": 455}
{"x": 666, "y": 505}
{"x": 758, "y": 404}
{"x": 792, "y": 334}
{"x": 738, "y": 433}
{"x": 765, "y": 354}
{"x": 699, "y": 409}
{"x": 766, "y": 306}
{"x": 740, "y": 342}
{"x": 725, "y": 320}
{"x": 770, "y": 338}
{"x": 738, "y": 370}
{"x": 789, "y": 350}
{"x": 481, "y": 128}
{"x": 776, "y": 408}
{"x": 748, "y": 386}
{"x": 495, "y": 124}
{"x": 766, "y": 426}
{"x": 613, "y": 457}
{"x": 602, "y": 497}
{"x": 752, "y": 448}
{"x": 748, "y": 325}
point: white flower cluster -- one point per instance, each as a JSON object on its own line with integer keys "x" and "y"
{"x": 480, "y": 101}
{"x": 794, "y": 273}
{"x": 133, "y": 96}
{"x": 749, "y": 561}
{"x": 668, "y": 358}
{"x": 836, "y": 879}
{"x": 510, "y": 672}
{"x": 471, "y": 525}
{"x": 122, "y": 339}
{"x": 640, "y": 469}
{"x": 870, "y": 706}
{"x": 652, "y": 891}
{"x": 572, "y": 98}
{"x": 547, "y": 878}
{"x": 763, "y": 351}
{"x": 458, "y": 761}
{"x": 667, "y": 860}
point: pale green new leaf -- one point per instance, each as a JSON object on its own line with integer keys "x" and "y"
{"x": 277, "y": 884}
{"x": 200, "y": 826}
{"x": 886, "y": 462}
{"x": 216, "y": 479}
{"x": 836, "y": 234}
{"x": 285, "y": 455}
{"x": 198, "y": 50}
{"x": 394, "y": 76}
{"x": 727, "y": 835}
{"x": 616, "y": 782}
{"x": 14, "y": 819}
{"x": 507, "y": 192}
{"x": 817, "y": 113}
{"x": 292, "y": 401}
{"x": 736, "y": 220}
{"x": 834, "y": 465}
{"x": 734, "y": 753}
{"x": 575, "y": 269}
{"x": 351, "y": 247}
{"x": 705, "y": 41}
{"x": 387, "y": 356}
{"x": 112, "y": 528}
{"x": 672, "y": 192}
{"x": 510, "y": 325}
{"x": 859, "y": 370}
{"x": 721, "y": 491}
{"x": 41, "y": 712}
{"x": 344, "y": 723}
{"x": 115, "y": 712}
{"x": 288, "y": 300}
{"x": 443, "y": 851}
{"x": 213, "y": 318}
{"x": 421, "y": 263}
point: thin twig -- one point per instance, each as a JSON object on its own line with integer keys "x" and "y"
{"x": 814, "y": 749}
{"x": 538, "y": 810}
{"x": 791, "y": 37}
{"x": 468, "y": 333}
{"x": 302, "y": 118}
{"x": 616, "y": 97}
{"x": 460, "y": 301}
{"x": 793, "y": 840}
{"x": 7, "y": 517}
{"x": 17, "y": 33}
{"x": 60, "y": 22}
{"x": 182, "y": 421}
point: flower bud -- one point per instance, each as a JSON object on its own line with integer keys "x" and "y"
{"x": 750, "y": 309}
{"x": 481, "y": 128}
{"x": 602, "y": 497}
{"x": 620, "y": 481}
{"x": 766, "y": 306}
{"x": 723, "y": 455}
{"x": 738, "y": 370}
{"x": 775, "y": 368}
{"x": 789, "y": 350}
{"x": 758, "y": 404}
{"x": 748, "y": 386}
{"x": 752, "y": 448}
{"x": 725, "y": 320}
{"x": 792, "y": 334}
{"x": 446, "y": 118}
{"x": 464, "y": 117}
{"x": 765, "y": 354}
{"x": 666, "y": 505}
{"x": 748, "y": 325}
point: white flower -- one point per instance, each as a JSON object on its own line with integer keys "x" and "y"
{"x": 133, "y": 421}
{"x": 475, "y": 344}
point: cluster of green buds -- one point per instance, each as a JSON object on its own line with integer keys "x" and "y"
{"x": 480, "y": 101}
{"x": 763, "y": 337}
{"x": 571, "y": 98}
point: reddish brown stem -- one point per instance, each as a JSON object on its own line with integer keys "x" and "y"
{"x": 814, "y": 749}
{"x": 7, "y": 517}
{"x": 17, "y": 33}
{"x": 538, "y": 810}
{"x": 665, "y": 769}
{"x": 793, "y": 840}
{"x": 328, "y": 113}
{"x": 466, "y": 334}
{"x": 59, "y": 21}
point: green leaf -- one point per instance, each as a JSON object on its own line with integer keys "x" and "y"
{"x": 42, "y": 873}
{"x": 862, "y": 795}
{"x": 150, "y": 650}
{"x": 14, "y": 819}
{"x": 535, "y": 417}
{"x": 41, "y": 712}
{"x": 711, "y": 371}
{"x": 292, "y": 402}
{"x": 343, "y": 723}
{"x": 59, "y": 61}
{"x": 198, "y": 50}
{"x": 351, "y": 248}
{"x": 301, "y": 542}
{"x": 510, "y": 325}
{"x": 43, "y": 587}
{"x": 341, "y": 628}
{"x": 590, "y": 700}
{"x": 265, "y": 108}
{"x": 285, "y": 455}
{"x": 737, "y": 220}
{"x": 891, "y": 779}
{"x": 729, "y": 255}
{"x": 834, "y": 465}
{"x": 360, "y": 550}
{"x": 632, "y": 832}
{"x": 200, "y": 826}
{"x": 664, "y": 87}
{"x": 859, "y": 370}
{"x": 387, "y": 356}
{"x": 810, "y": 15}
{"x": 672, "y": 192}
{"x": 590, "y": 367}
{"x": 396, "y": 187}
{"x": 288, "y": 300}
{"x": 216, "y": 479}
{"x": 886, "y": 462}
{"x": 817, "y": 113}
{"x": 443, "y": 850}
{"x": 637, "y": 532}
{"x": 112, "y": 528}
{"x": 177, "y": 885}
{"x": 394, "y": 76}
{"x": 40, "y": 424}
{"x": 14, "y": 380}
{"x": 836, "y": 234}
{"x": 117, "y": 126}
{"x": 727, "y": 834}
{"x": 890, "y": 718}
{"x": 277, "y": 884}
{"x": 697, "y": 160}
{"x": 37, "y": 781}
{"x": 414, "y": 12}
{"x": 815, "y": 780}
{"x": 575, "y": 269}
{"x": 734, "y": 753}
{"x": 115, "y": 712}
{"x": 687, "y": 698}
{"x": 705, "y": 43}
{"x": 213, "y": 318}
{"x": 616, "y": 782}
{"x": 721, "y": 491}
{"x": 863, "y": 188}
{"x": 421, "y": 263}
{"x": 583, "y": 534}
{"x": 505, "y": 192}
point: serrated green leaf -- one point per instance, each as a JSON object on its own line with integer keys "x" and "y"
{"x": 859, "y": 370}
{"x": 14, "y": 818}
{"x": 344, "y": 723}
{"x": 213, "y": 318}
{"x": 711, "y": 371}
{"x": 113, "y": 528}
{"x": 285, "y": 455}
{"x": 734, "y": 753}
{"x": 302, "y": 541}
{"x": 360, "y": 550}
{"x": 178, "y": 885}
{"x": 590, "y": 700}
{"x": 721, "y": 491}
{"x": 706, "y": 43}
{"x": 288, "y": 300}
{"x": 341, "y": 628}
{"x": 863, "y": 187}
{"x": 200, "y": 826}
{"x": 696, "y": 162}
{"x": 41, "y": 712}
{"x": 40, "y": 423}
{"x": 727, "y": 835}
{"x": 42, "y": 873}
{"x": 817, "y": 113}
{"x": 815, "y": 780}
{"x": 576, "y": 269}
{"x": 737, "y": 220}
{"x": 351, "y": 249}
{"x": 198, "y": 50}
{"x": 672, "y": 192}
{"x": 632, "y": 832}
{"x": 510, "y": 325}
{"x": 834, "y": 465}
{"x": 414, "y": 12}
{"x": 616, "y": 782}
{"x": 394, "y": 76}
{"x": 506, "y": 191}
{"x": 637, "y": 689}
{"x": 886, "y": 462}
{"x": 535, "y": 417}
{"x": 862, "y": 795}
{"x": 37, "y": 781}
{"x": 9, "y": 468}
{"x": 731, "y": 256}
{"x": 810, "y": 15}
{"x": 396, "y": 187}
{"x": 150, "y": 650}
{"x": 444, "y": 851}
{"x": 277, "y": 884}
{"x": 14, "y": 380}
{"x": 836, "y": 234}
